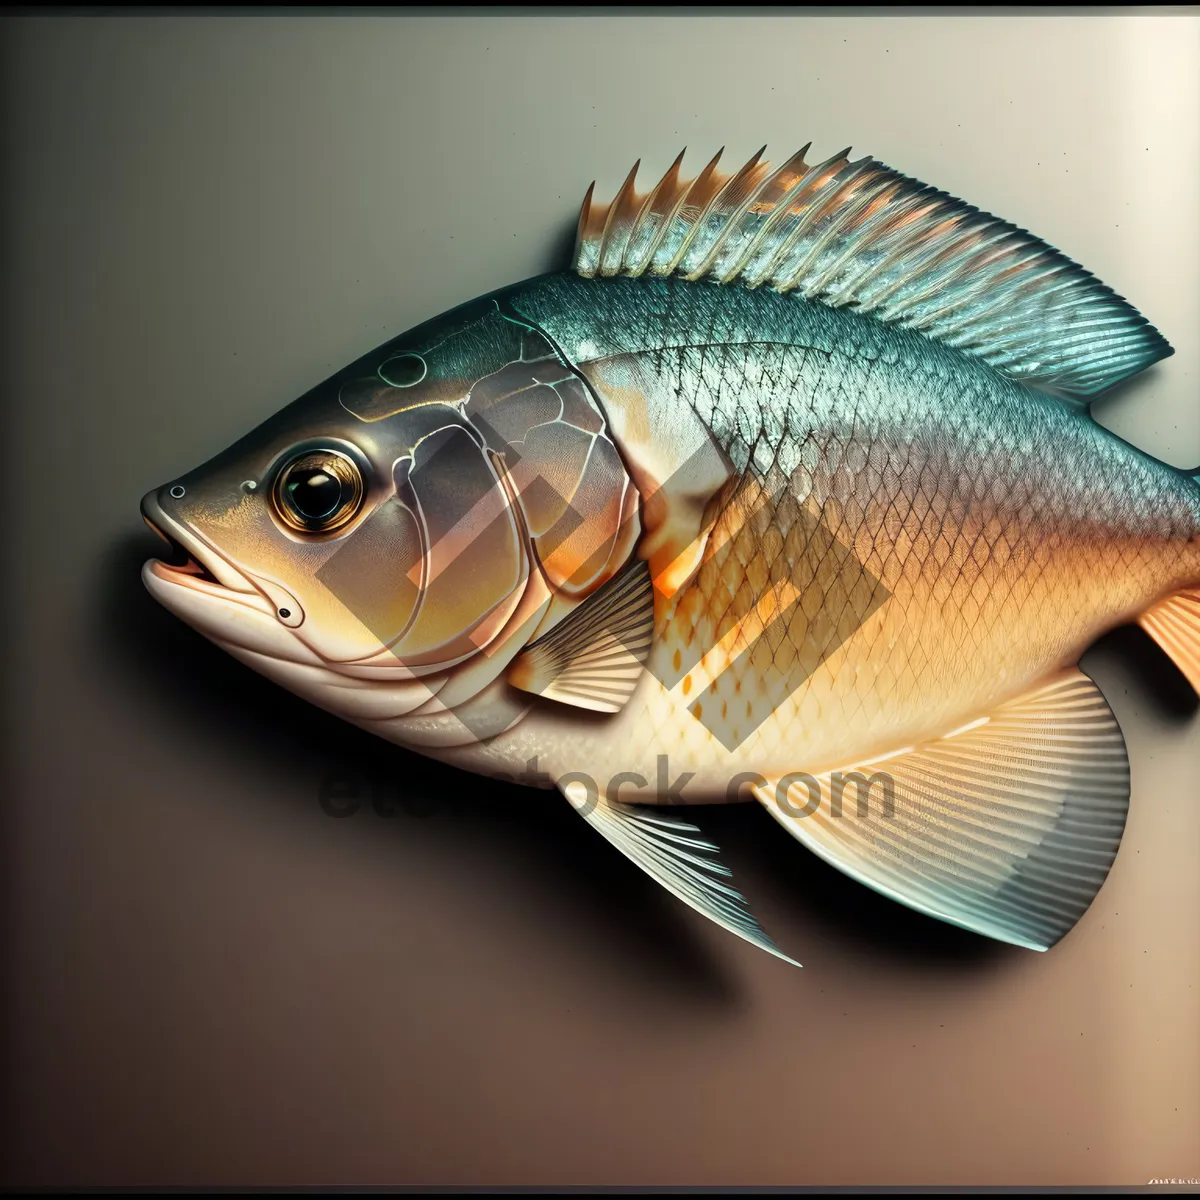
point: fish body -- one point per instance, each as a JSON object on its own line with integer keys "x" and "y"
{"x": 789, "y": 485}
{"x": 957, "y": 536}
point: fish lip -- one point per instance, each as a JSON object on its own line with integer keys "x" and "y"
{"x": 187, "y": 563}
{"x": 202, "y": 567}
{"x": 198, "y": 580}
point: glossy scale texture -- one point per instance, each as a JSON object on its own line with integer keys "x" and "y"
{"x": 949, "y": 536}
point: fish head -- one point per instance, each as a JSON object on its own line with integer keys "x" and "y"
{"x": 418, "y": 510}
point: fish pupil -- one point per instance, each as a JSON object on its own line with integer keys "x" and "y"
{"x": 314, "y": 493}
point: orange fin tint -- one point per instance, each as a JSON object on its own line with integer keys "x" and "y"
{"x": 1174, "y": 623}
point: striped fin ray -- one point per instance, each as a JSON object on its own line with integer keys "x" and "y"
{"x": 671, "y": 854}
{"x": 1007, "y": 827}
{"x": 860, "y": 234}
{"x": 593, "y": 658}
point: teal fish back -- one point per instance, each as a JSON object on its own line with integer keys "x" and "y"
{"x": 780, "y": 382}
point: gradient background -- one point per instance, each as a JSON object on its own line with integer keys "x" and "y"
{"x": 208, "y": 979}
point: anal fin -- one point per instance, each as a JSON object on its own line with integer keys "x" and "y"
{"x": 1006, "y": 827}
{"x": 671, "y": 853}
{"x": 1174, "y": 623}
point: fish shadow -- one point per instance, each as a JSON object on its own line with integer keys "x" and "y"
{"x": 808, "y": 894}
{"x": 569, "y": 868}
{"x": 560, "y": 246}
{"x": 1129, "y": 656}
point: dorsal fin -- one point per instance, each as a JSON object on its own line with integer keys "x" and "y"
{"x": 860, "y": 234}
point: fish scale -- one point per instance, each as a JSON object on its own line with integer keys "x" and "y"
{"x": 970, "y": 525}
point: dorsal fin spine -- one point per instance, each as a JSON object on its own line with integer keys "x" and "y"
{"x": 729, "y": 191}
{"x": 818, "y": 176}
{"x": 875, "y": 216}
{"x": 826, "y": 173}
{"x": 581, "y": 243}
{"x": 734, "y": 218}
{"x": 794, "y": 166}
{"x": 611, "y": 219}
{"x": 725, "y": 195}
{"x": 668, "y": 185}
{"x": 855, "y": 283}
{"x": 666, "y": 218}
{"x": 807, "y": 182}
{"x": 701, "y": 181}
{"x": 819, "y": 212}
{"x": 870, "y": 194}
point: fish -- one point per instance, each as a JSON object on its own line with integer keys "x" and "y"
{"x": 786, "y": 490}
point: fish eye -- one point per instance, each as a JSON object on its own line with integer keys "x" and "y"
{"x": 318, "y": 491}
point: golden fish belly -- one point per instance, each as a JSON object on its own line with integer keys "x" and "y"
{"x": 927, "y": 634}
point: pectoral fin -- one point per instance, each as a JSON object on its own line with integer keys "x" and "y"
{"x": 1007, "y": 827}
{"x": 593, "y": 658}
{"x": 670, "y": 853}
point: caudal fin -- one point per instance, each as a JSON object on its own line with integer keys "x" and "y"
{"x": 1174, "y": 623}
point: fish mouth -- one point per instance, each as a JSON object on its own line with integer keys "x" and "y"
{"x": 194, "y": 565}
{"x": 181, "y": 561}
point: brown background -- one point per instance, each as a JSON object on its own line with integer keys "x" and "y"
{"x": 208, "y": 979}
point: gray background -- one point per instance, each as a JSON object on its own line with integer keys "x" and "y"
{"x": 208, "y": 979}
